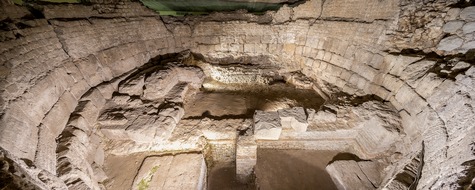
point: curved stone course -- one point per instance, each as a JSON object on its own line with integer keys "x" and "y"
{"x": 58, "y": 72}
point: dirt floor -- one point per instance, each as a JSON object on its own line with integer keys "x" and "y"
{"x": 222, "y": 176}
{"x": 293, "y": 169}
{"x": 278, "y": 170}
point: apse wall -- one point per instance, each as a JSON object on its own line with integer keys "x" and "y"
{"x": 396, "y": 50}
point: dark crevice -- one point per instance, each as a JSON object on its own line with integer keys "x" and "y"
{"x": 346, "y": 156}
{"x": 208, "y": 115}
{"x": 463, "y": 4}
{"x": 444, "y": 63}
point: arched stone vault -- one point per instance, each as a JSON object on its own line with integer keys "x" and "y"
{"x": 412, "y": 54}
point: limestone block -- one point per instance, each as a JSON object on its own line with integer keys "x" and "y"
{"x": 460, "y": 65}
{"x": 347, "y": 174}
{"x": 24, "y": 144}
{"x": 452, "y": 14}
{"x": 177, "y": 93}
{"x": 88, "y": 111}
{"x": 58, "y": 116}
{"x": 294, "y": 118}
{"x": 267, "y": 125}
{"x": 359, "y": 9}
{"x": 115, "y": 132}
{"x": 450, "y": 43}
{"x": 182, "y": 171}
{"x": 176, "y": 113}
{"x": 467, "y": 46}
{"x": 79, "y": 122}
{"x": 192, "y": 75}
{"x": 427, "y": 84}
{"x": 91, "y": 70}
{"x": 108, "y": 89}
{"x": 410, "y": 100}
{"x": 78, "y": 89}
{"x": 415, "y": 71}
{"x": 159, "y": 83}
{"x": 399, "y": 63}
{"x": 376, "y": 61}
{"x": 442, "y": 93}
{"x": 133, "y": 86}
{"x": 309, "y": 9}
{"x": 380, "y": 91}
{"x": 146, "y": 128}
{"x": 45, "y": 157}
{"x": 468, "y": 14}
{"x": 246, "y": 157}
{"x": 396, "y": 64}
{"x": 73, "y": 71}
{"x": 392, "y": 83}
{"x": 452, "y": 26}
{"x": 468, "y": 28}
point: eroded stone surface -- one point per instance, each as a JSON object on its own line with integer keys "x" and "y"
{"x": 69, "y": 87}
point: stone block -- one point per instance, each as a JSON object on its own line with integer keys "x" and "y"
{"x": 468, "y": 14}
{"x": 78, "y": 89}
{"x": 380, "y": 91}
{"x": 45, "y": 157}
{"x": 468, "y": 28}
{"x": 452, "y": 14}
{"x": 414, "y": 72}
{"x": 267, "y": 125}
{"x": 24, "y": 144}
{"x": 91, "y": 70}
{"x": 411, "y": 101}
{"x": 293, "y": 118}
{"x": 450, "y": 43}
{"x": 309, "y": 9}
{"x": 427, "y": 84}
{"x": 347, "y": 174}
{"x": 182, "y": 171}
{"x": 246, "y": 158}
{"x": 133, "y": 86}
{"x": 467, "y": 46}
{"x": 58, "y": 116}
{"x": 392, "y": 83}
{"x": 442, "y": 93}
{"x": 159, "y": 83}
{"x": 452, "y": 26}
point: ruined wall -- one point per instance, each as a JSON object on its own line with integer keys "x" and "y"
{"x": 392, "y": 49}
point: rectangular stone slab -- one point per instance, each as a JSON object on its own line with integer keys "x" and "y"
{"x": 182, "y": 171}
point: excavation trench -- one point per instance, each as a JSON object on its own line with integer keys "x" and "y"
{"x": 179, "y": 124}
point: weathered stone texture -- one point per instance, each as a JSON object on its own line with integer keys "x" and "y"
{"x": 49, "y": 69}
{"x": 182, "y": 171}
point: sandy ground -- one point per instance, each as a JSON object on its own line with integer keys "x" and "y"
{"x": 293, "y": 169}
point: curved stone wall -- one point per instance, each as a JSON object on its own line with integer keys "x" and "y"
{"x": 389, "y": 48}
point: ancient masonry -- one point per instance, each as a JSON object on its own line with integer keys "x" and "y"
{"x": 88, "y": 88}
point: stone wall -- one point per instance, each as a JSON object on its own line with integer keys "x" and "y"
{"x": 48, "y": 64}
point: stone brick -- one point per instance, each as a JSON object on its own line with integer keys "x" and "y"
{"x": 58, "y": 116}
{"x": 267, "y": 125}
{"x": 294, "y": 118}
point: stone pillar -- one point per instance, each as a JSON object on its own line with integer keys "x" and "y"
{"x": 246, "y": 158}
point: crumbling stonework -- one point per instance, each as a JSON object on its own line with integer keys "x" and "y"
{"x": 76, "y": 86}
